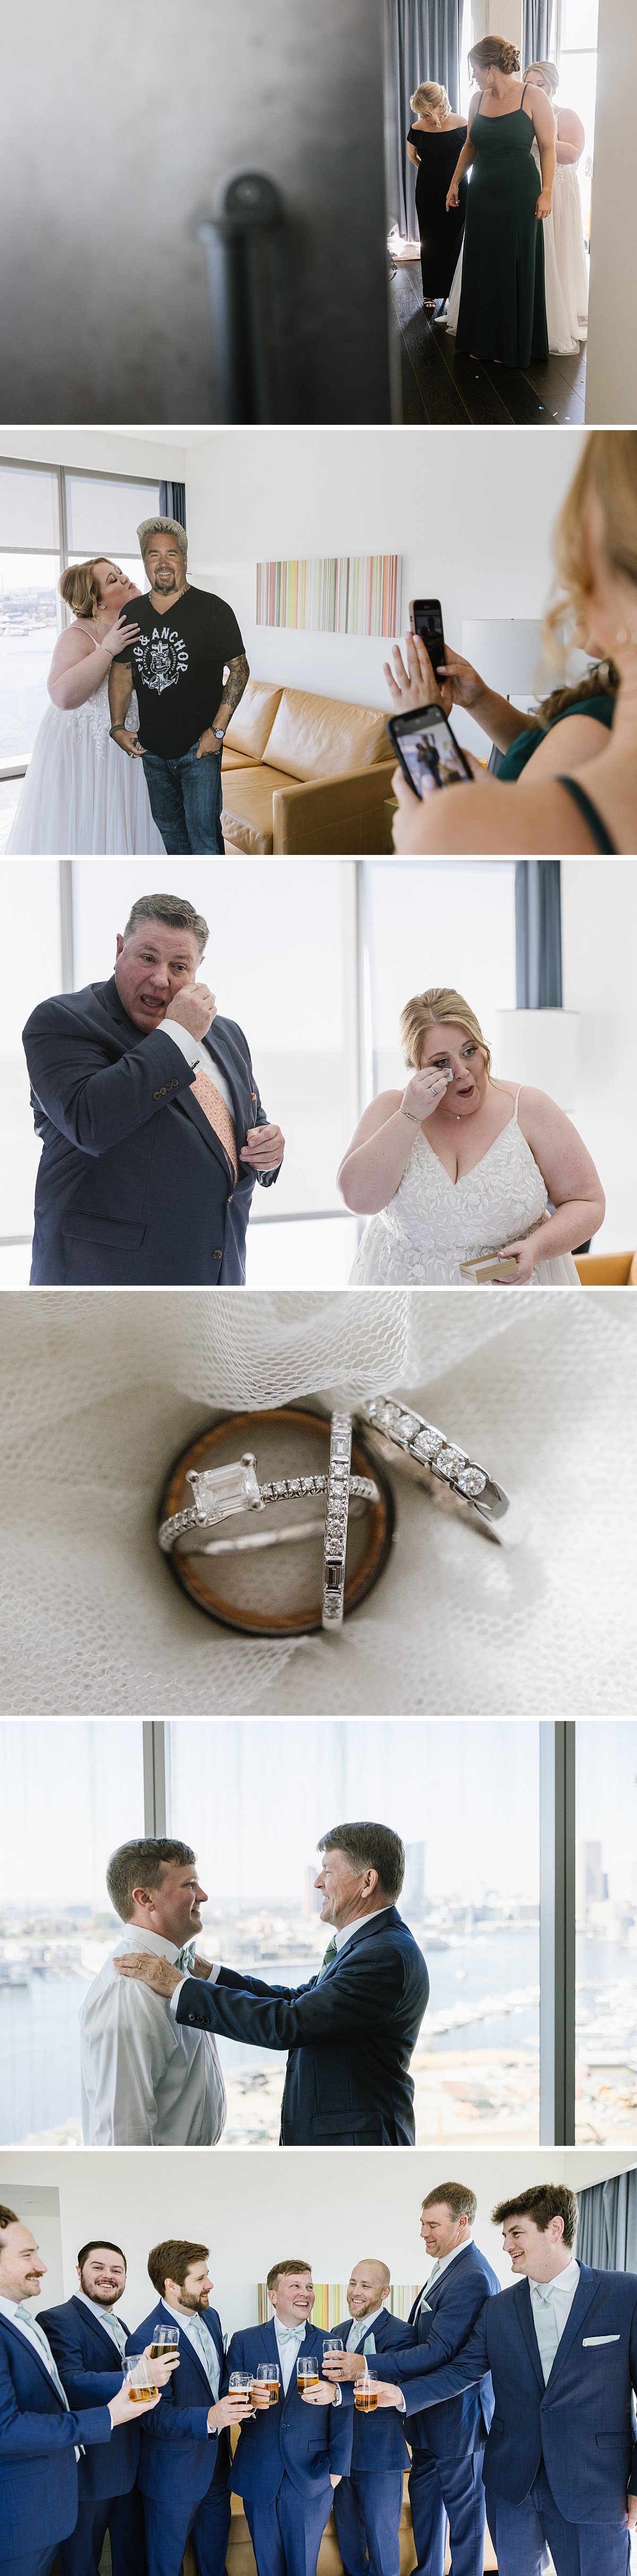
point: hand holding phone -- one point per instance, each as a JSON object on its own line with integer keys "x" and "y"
{"x": 425, "y": 619}
{"x": 427, "y": 750}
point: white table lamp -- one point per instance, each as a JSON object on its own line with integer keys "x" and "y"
{"x": 510, "y": 654}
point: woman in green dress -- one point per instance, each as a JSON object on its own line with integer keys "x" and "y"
{"x": 502, "y": 305}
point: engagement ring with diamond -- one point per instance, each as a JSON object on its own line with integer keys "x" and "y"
{"x": 403, "y": 1435}
{"x": 220, "y": 1492}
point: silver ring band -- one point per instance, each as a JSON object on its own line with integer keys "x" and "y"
{"x": 434, "y": 1459}
{"x": 220, "y": 1492}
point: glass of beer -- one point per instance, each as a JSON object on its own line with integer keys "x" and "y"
{"x": 366, "y": 2392}
{"x": 165, "y": 2341}
{"x": 307, "y": 2372}
{"x": 139, "y": 2384}
{"x": 333, "y": 2343}
{"x": 265, "y": 2388}
{"x": 241, "y": 2384}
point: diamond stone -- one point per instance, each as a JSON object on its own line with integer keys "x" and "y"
{"x": 428, "y": 1443}
{"x": 472, "y": 1481}
{"x": 218, "y": 1491}
{"x": 388, "y": 1417}
{"x": 450, "y": 1463}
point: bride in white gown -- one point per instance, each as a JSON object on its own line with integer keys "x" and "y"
{"x": 461, "y": 1168}
{"x": 81, "y": 793}
{"x": 565, "y": 269}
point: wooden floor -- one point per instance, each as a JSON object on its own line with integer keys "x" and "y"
{"x": 438, "y": 386}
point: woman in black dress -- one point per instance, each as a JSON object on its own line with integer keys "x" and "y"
{"x": 433, "y": 143}
{"x": 502, "y": 304}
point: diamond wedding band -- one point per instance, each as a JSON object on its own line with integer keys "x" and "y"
{"x": 219, "y": 1492}
{"x": 398, "y": 1429}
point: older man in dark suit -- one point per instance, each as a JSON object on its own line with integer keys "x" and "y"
{"x": 153, "y": 1132}
{"x": 351, "y": 2030}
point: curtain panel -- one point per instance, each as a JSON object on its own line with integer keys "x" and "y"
{"x": 172, "y": 502}
{"x": 538, "y": 31}
{"x": 607, "y": 2235}
{"x": 422, "y": 42}
{"x": 538, "y": 935}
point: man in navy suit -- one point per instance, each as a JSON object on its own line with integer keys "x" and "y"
{"x": 89, "y": 2344}
{"x": 560, "y": 2465}
{"x": 40, "y": 2434}
{"x": 184, "y": 2471}
{"x": 368, "y": 2503}
{"x": 288, "y": 2460}
{"x": 153, "y": 1133}
{"x": 447, "y": 2442}
{"x": 351, "y": 2030}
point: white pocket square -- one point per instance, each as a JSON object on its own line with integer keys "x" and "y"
{"x": 587, "y": 2340}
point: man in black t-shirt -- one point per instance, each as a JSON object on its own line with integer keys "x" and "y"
{"x": 187, "y": 639}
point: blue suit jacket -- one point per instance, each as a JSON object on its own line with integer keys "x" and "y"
{"x": 179, "y": 2457}
{"x": 379, "y": 2444}
{"x": 350, "y": 2036}
{"x": 456, "y": 2301}
{"x": 134, "y": 1188}
{"x": 38, "y": 2467}
{"x": 581, "y": 2424}
{"x": 304, "y": 2441}
{"x": 91, "y": 2372}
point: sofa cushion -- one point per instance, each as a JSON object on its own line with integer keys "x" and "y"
{"x": 253, "y": 718}
{"x": 246, "y": 819}
{"x": 316, "y": 737}
{"x": 237, "y": 760}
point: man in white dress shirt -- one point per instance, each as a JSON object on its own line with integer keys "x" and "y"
{"x": 146, "y": 2081}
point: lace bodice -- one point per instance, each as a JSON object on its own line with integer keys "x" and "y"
{"x": 433, "y": 1223}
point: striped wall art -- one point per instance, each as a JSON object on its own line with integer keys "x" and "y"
{"x": 335, "y": 595}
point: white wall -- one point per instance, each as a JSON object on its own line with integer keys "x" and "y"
{"x": 102, "y": 451}
{"x": 470, "y": 512}
{"x": 611, "y": 389}
{"x": 599, "y": 944}
{"x": 327, "y": 2206}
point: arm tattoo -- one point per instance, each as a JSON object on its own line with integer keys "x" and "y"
{"x": 238, "y": 673}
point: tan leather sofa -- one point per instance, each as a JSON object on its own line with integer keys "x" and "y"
{"x": 304, "y": 775}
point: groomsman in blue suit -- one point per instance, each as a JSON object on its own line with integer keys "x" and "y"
{"x": 447, "y": 2442}
{"x": 560, "y": 2465}
{"x": 288, "y": 2461}
{"x": 368, "y": 2503}
{"x": 184, "y": 2472}
{"x": 89, "y": 2344}
{"x": 41, "y": 2436}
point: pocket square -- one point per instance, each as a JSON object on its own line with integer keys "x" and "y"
{"x": 588, "y": 2340}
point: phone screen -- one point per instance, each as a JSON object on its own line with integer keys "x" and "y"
{"x": 427, "y": 614}
{"x": 429, "y": 754}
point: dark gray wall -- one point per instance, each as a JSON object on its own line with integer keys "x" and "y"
{"x": 119, "y": 122}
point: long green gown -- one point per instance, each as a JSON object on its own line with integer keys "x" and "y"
{"x": 502, "y": 304}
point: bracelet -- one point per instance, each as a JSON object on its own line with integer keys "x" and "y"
{"x": 409, "y": 1113}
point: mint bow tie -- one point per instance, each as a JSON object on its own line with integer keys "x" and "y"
{"x": 185, "y": 1959}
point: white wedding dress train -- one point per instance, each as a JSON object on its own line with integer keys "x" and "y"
{"x": 82, "y": 796}
{"x": 433, "y": 1223}
{"x": 565, "y": 269}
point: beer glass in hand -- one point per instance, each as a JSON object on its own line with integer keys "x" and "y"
{"x": 265, "y": 2388}
{"x": 307, "y": 2372}
{"x": 165, "y": 2343}
{"x": 241, "y": 2385}
{"x": 366, "y": 2392}
{"x": 139, "y": 2384}
{"x": 333, "y": 2343}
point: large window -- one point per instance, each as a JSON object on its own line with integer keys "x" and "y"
{"x": 577, "y": 59}
{"x": 606, "y": 1932}
{"x": 70, "y": 1792}
{"x": 49, "y": 518}
{"x": 434, "y": 924}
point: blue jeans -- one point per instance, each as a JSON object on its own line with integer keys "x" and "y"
{"x": 185, "y": 801}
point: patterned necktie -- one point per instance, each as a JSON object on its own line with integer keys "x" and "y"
{"x": 545, "y": 2322}
{"x": 220, "y": 1117}
{"x": 23, "y": 2311}
{"x": 113, "y": 2328}
{"x": 185, "y": 1959}
{"x": 330, "y": 1954}
{"x": 207, "y": 2353}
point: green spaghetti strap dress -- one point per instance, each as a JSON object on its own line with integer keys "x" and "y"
{"x": 502, "y": 304}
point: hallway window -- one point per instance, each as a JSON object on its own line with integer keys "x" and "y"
{"x": 577, "y": 61}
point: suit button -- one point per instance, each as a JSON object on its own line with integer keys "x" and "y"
{"x": 217, "y": 1255}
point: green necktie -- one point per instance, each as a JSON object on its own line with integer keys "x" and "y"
{"x": 185, "y": 1959}
{"x": 207, "y": 2353}
{"x": 113, "y": 2327}
{"x": 330, "y": 1954}
{"x": 545, "y": 2322}
{"x": 23, "y": 2311}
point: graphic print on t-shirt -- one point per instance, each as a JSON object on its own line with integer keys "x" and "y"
{"x": 161, "y": 658}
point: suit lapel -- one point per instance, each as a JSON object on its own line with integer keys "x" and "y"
{"x": 583, "y": 2300}
{"x": 108, "y": 996}
{"x": 524, "y": 2314}
{"x": 366, "y": 1931}
{"x": 103, "y": 2338}
{"x": 34, "y": 2355}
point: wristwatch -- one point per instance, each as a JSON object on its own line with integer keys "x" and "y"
{"x": 219, "y": 733}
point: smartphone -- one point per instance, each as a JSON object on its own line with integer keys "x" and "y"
{"x": 425, "y": 618}
{"x": 427, "y": 750}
